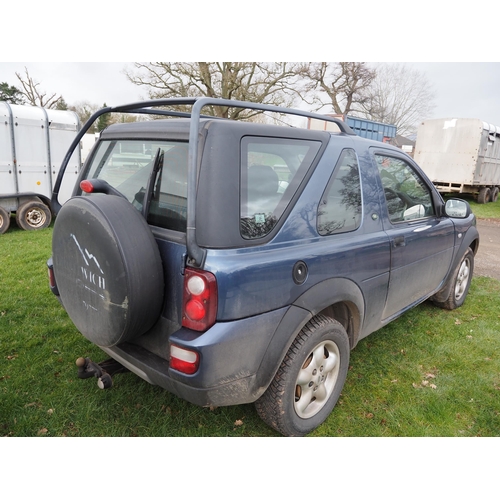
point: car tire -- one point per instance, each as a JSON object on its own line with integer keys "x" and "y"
{"x": 461, "y": 280}
{"x": 310, "y": 379}
{"x": 494, "y": 194}
{"x": 108, "y": 269}
{"x": 4, "y": 220}
{"x": 33, "y": 215}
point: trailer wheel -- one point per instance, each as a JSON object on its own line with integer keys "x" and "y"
{"x": 494, "y": 194}
{"x": 4, "y": 220}
{"x": 33, "y": 215}
{"x": 484, "y": 195}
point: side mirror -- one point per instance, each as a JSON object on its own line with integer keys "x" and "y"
{"x": 459, "y": 209}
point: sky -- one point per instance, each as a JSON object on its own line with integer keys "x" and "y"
{"x": 462, "y": 89}
{"x": 465, "y": 90}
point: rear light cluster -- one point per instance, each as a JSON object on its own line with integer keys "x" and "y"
{"x": 184, "y": 360}
{"x": 52, "y": 278}
{"x": 199, "y": 310}
{"x": 199, "y": 305}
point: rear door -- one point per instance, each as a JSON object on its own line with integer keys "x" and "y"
{"x": 421, "y": 242}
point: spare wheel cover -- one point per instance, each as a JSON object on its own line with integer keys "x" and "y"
{"x": 108, "y": 268}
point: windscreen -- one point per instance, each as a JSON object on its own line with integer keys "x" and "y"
{"x": 127, "y": 166}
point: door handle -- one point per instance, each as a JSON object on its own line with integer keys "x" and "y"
{"x": 399, "y": 241}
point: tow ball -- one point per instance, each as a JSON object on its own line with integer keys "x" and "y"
{"x": 103, "y": 371}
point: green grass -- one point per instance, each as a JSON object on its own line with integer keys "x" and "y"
{"x": 430, "y": 373}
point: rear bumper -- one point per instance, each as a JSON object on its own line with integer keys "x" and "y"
{"x": 231, "y": 357}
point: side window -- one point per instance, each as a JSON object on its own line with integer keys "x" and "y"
{"x": 127, "y": 164}
{"x": 406, "y": 194}
{"x": 339, "y": 210}
{"x": 272, "y": 170}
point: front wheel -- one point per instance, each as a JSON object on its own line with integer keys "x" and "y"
{"x": 308, "y": 383}
{"x": 461, "y": 280}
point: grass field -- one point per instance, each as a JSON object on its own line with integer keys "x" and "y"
{"x": 430, "y": 373}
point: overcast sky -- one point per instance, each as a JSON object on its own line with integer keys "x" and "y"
{"x": 462, "y": 90}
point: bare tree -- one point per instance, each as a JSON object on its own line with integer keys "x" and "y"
{"x": 340, "y": 85}
{"x": 400, "y": 96}
{"x": 84, "y": 110}
{"x": 34, "y": 95}
{"x": 269, "y": 83}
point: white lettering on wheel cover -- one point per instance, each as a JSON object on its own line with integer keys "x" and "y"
{"x": 92, "y": 281}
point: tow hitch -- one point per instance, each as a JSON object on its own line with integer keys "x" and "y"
{"x": 103, "y": 371}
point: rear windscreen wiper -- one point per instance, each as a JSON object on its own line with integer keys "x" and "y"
{"x": 157, "y": 166}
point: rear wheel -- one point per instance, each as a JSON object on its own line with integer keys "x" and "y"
{"x": 4, "y": 220}
{"x": 494, "y": 194}
{"x": 308, "y": 383}
{"x": 33, "y": 215}
{"x": 484, "y": 195}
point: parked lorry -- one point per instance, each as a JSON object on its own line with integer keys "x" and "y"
{"x": 461, "y": 155}
{"x": 368, "y": 129}
{"x": 33, "y": 143}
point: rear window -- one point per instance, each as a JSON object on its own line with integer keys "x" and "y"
{"x": 127, "y": 166}
{"x": 272, "y": 170}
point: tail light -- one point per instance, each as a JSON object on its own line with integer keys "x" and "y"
{"x": 199, "y": 305}
{"x": 52, "y": 278}
{"x": 184, "y": 360}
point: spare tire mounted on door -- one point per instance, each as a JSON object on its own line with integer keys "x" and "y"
{"x": 103, "y": 245}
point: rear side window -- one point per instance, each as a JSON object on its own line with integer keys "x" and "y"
{"x": 127, "y": 166}
{"x": 272, "y": 170}
{"x": 339, "y": 210}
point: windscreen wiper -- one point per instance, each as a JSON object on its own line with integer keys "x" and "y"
{"x": 157, "y": 167}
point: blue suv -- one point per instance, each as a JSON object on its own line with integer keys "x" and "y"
{"x": 232, "y": 262}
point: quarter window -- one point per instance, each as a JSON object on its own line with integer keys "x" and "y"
{"x": 272, "y": 170}
{"x": 339, "y": 210}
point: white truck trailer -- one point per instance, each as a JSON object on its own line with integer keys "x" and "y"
{"x": 461, "y": 155}
{"x": 33, "y": 143}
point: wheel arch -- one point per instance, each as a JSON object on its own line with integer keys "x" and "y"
{"x": 472, "y": 242}
{"x": 338, "y": 298}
